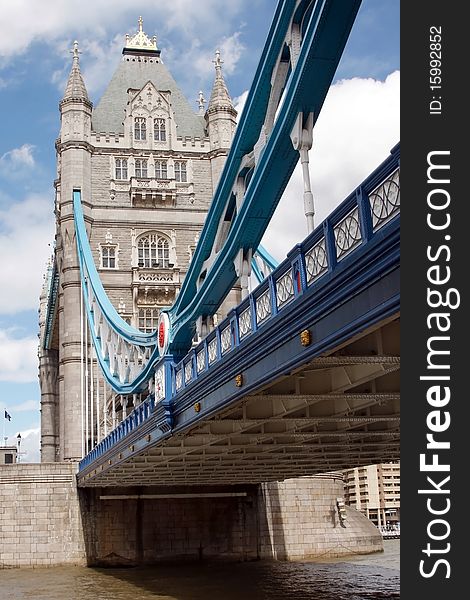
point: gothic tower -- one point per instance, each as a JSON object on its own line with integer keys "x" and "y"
{"x": 147, "y": 165}
{"x": 220, "y": 118}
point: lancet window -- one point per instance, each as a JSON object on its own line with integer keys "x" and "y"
{"x": 159, "y": 130}
{"x": 153, "y": 252}
{"x": 141, "y": 167}
{"x": 121, "y": 168}
{"x": 148, "y": 319}
{"x": 140, "y": 128}
{"x": 161, "y": 169}
{"x": 181, "y": 173}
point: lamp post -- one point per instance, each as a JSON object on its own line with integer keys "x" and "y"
{"x": 18, "y": 438}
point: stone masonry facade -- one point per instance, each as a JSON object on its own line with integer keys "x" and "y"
{"x": 40, "y": 521}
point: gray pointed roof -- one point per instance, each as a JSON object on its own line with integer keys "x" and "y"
{"x": 220, "y": 97}
{"x": 220, "y": 100}
{"x": 134, "y": 72}
{"x": 75, "y": 87}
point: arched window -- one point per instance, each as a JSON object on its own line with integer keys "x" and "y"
{"x": 121, "y": 168}
{"x": 181, "y": 173}
{"x": 148, "y": 319}
{"x": 159, "y": 130}
{"x": 161, "y": 169}
{"x": 140, "y": 128}
{"x": 141, "y": 169}
{"x": 153, "y": 252}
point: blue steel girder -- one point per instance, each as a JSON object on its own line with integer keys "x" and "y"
{"x": 126, "y": 355}
{"x": 323, "y": 40}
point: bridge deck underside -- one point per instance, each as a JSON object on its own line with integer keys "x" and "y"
{"x": 335, "y": 412}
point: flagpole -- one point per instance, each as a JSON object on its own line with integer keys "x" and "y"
{"x": 4, "y": 419}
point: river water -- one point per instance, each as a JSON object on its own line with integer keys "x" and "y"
{"x": 365, "y": 577}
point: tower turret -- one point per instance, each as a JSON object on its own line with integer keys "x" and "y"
{"x": 74, "y": 152}
{"x": 220, "y": 120}
{"x": 75, "y": 106}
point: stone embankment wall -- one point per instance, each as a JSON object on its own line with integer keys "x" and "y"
{"x": 45, "y": 521}
{"x": 40, "y": 522}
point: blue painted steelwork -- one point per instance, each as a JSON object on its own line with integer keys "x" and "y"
{"x": 319, "y": 275}
{"x": 268, "y": 262}
{"x": 325, "y": 26}
{"x": 105, "y": 322}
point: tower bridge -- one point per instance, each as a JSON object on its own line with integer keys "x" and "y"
{"x": 162, "y": 375}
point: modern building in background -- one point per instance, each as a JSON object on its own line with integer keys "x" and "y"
{"x": 374, "y": 490}
{"x": 147, "y": 164}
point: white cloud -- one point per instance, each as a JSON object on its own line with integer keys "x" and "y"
{"x": 98, "y": 62}
{"x": 358, "y": 125}
{"x": 231, "y": 49}
{"x": 100, "y": 28}
{"x": 200, "y": 60}
{"x": 25, "y": 406}
{"x": 29, "y": 445}
{"x": 17, "y": 159}
{"x": 55, "y": 20}
{"x": 26, "y": 230}
{"x": 239, "y": 103}
{"x": 18, "y": 357}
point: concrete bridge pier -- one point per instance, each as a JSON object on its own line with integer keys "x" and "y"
{"x": 296, "y": 519}
{"x": 45, "y": 522}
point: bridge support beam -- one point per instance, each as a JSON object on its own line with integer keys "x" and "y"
{"x": 302, "y": 140}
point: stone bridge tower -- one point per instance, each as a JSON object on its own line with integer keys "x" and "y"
{"x": 147, "y": 165}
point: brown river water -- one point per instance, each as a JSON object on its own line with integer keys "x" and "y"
{"x": 375, "y": 576}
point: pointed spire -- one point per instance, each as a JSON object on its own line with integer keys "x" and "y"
{"x": 220, "y": 98}
{"x": 75, "y": 87}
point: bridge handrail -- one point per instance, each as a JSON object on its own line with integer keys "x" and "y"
{"x": 368, "y": 211}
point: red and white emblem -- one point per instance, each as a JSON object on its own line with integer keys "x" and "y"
{"x": 163, "y": 333}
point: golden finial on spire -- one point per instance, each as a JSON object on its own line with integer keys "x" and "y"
{"x": 140, "y": 40}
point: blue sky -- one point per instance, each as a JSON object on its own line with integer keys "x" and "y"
{"x": 358, "y": 126}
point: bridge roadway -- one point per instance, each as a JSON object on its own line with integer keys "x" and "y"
{"x": 301, "y": 378}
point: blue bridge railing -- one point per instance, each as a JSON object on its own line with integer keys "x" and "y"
{"x": 367, "y": 213}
